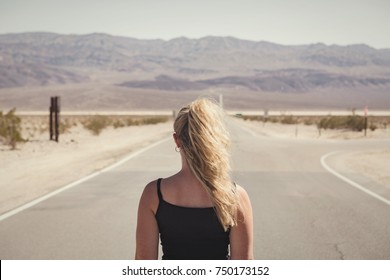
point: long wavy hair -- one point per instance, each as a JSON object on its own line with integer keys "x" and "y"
{"x": 205, "y": 143}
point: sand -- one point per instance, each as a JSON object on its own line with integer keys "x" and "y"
{"x": 373, "y": 164}
{"x": 40, "y": 166}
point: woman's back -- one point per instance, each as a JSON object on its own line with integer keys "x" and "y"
{"x": 189, "y": 230}
{"x": 183, "y": 189}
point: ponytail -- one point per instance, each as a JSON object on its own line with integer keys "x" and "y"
{"x": 205, "y": 143}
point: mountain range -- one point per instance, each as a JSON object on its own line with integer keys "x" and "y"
{"x": 183, "y": 64}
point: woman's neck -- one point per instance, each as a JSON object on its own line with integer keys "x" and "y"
{"x": 186, "y": 172}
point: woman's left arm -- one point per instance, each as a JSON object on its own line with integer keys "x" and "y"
{"x": 241, "y": 235}
{"x": 147, "y": 234}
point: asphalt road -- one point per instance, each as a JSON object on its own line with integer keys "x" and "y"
{"x": 301, "y": 210}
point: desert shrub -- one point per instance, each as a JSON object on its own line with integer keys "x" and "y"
{"x": 145, "y": 121}
{"x": 96, "y": 124}
{"x": 308, "y": 122}
{"x": 65, "y": 126}
{"x": 373, "y": 127}
{"x": 154, "y": 120}
{"x": 251, "y": 118}
{"x": 354, "y": 123}
{"x": 43, "y": 128}
{"x": 257, "y": 118}
{"x": 273, "y": 119}
{"x": 132, "y": 122}
{"x": 10, "y": 128}
{"x": 118, "y": 124}
{"x": 288, "y": 120}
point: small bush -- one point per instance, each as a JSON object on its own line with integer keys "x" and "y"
{"x": 132, "y": 122}
{"x": 10, "y": 128}
{"x": 288, "y": 120}
{"x": 118, "y": 124}
{"x": 251, "y": 118}
{"x": 354, "y": 123}
{"x": 96, "y": 124}
{"x": 154, "y": 120}
{"x": 145, "y": 121}
{"x": 308, "y": 122}
{"x": 373, "y": 127}
{"x": 65, "y": 126}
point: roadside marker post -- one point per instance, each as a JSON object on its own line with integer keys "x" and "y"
{"x": 365, "y": 120}
{"x": 54, "y": 118}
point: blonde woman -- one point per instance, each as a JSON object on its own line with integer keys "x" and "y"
{"x": 199, "y": 213}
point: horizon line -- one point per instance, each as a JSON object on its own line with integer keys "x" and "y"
{"x": 196, "y": 38}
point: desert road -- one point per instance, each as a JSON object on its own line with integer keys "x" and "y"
{"x": 302, "y": 210}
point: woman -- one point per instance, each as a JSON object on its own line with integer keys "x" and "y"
{"x": 199, "y": 211}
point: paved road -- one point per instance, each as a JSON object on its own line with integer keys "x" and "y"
{"x": 301, "y": 211}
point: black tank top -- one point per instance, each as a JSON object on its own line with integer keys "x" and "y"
{"x": 190, "y": 233}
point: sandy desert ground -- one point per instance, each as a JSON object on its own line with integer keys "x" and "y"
{"x": 40, "y": 166}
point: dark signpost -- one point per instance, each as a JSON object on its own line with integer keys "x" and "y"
{"x": 54, "y": 118}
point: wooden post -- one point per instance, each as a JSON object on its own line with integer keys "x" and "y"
{"x": 54, "y": 118}
{"x": 365, "y": 126}
{"x": 365, "y": 120}
{"x": 57, "y": 117}
{"x": 51, "y": 117}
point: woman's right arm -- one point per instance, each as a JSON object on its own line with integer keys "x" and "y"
{"x": 147, "y": 235}
{"x": 241, "y": 235}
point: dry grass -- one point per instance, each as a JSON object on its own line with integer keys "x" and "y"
{"x": 34, "y": 126}
{"x": 353, "y": 123}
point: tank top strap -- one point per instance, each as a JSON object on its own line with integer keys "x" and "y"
{"x": 159, "y": 189}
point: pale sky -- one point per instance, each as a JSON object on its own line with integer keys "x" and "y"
{"x": 287, "y": 22}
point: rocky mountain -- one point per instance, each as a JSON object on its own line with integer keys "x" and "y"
{"x": 36, "y": 74}
{"x": 189, "y": 64}
{"x": 288, "y": 80}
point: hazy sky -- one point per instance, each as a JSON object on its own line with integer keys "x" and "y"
{"x": 288, "y": 22}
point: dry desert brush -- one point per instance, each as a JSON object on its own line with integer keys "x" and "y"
{"x": 96, "y": 124}
{"x": 10, "y": 129}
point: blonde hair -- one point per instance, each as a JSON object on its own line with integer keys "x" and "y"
{"x": 205, "y": 144}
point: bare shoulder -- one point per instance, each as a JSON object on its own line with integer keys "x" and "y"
{"x": 242, "y": 195}
{"x": 245, "y": 206}
{"x": 151, "y": 188}
{"x": 241, "y": 235}
{"x": 149, "y": 198}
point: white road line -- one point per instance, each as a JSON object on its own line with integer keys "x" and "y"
{"x": 352, "y": 183}
{"x": 71, "y": 185}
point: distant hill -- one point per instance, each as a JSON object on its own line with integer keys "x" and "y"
{"x": 34, "y": 74}
{"x": 103, "y": 72}
{"x": 189, "y": 64}
{"x": 287, "y": 80}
